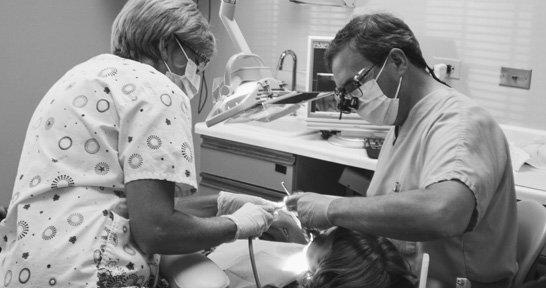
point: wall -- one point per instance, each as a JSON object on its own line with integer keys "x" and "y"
{"x": 270, "y": 27}
{"x": 40, "y": 41}
{"x": 484, "y": 35}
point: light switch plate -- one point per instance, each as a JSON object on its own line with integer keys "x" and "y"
{"x": 512, "y": 77}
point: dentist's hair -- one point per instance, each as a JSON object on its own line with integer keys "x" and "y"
{"x": 142, "y": 25}
{"x": 357, "y": 260}
{"x": 374, "y": 36}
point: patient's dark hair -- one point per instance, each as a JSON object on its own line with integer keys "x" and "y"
{"x": 374, "y": 36}
{"x": 357, "y": 260}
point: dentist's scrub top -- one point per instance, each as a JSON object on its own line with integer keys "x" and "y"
{"x": 106, "y": 122}
{"x": 448, "y": 137}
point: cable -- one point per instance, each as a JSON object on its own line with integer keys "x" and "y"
{"x": 209, "y": 12}
{"x": 199, "y": 105}
{"x": 431, "y": 72}
{"x": 253, "y": 263}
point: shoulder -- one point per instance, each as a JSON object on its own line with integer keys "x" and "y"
{"x": 460, "y": 114}
{"x": 115, "y": 70}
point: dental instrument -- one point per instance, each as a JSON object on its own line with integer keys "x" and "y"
{"x": 284, "y": 187}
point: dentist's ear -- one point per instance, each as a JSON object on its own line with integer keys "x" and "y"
{"x": 400, "y": 60}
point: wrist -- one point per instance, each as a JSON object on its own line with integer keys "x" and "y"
{"x": 332, "y": 212}
{"x": 233, "y": 228}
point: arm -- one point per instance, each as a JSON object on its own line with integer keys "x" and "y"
{"x": 200, "y": 206}
{"x": 441, "y": 210}
{"x": 158, "y": 228}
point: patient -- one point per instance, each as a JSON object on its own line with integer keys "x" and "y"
{"x": 344, "y": 258}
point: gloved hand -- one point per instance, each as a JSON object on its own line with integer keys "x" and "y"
{"x": 312, "y": 209}
{"x": 251, "y": 220}
{"x": 231, "y": 202}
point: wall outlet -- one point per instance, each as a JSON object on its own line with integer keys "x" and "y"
{"x": 512, "y": 77}
{"x": 454, "y": 66}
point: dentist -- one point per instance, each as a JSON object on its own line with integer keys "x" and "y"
{"x": 105, "y": 151}
{"x": 443, "y": 182}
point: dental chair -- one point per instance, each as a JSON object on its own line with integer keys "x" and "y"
{"x": 531, "y": 238}
{"x": 192, "y": 271}
{"x": 229, "y": 266}
{"x": 277, "y": 253}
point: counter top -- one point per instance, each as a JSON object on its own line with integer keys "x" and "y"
{"x": 290, "y": 134}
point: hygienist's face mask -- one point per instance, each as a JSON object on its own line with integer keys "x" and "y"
{"x": 373, "y": 105}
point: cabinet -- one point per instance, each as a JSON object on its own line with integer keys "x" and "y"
{"x": 239, "y": 167}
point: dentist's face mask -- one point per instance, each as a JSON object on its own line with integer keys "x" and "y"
{"x": 190, "y": 82}
{"x": 373, "y": 105}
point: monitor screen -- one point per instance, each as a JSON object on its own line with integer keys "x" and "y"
{"x": 323, "y": 113}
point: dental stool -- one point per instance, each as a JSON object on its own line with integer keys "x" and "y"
{"x": 531, "y": 237}
{"x": 192, "y": 271}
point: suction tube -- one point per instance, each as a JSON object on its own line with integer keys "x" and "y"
{"x": 227, "y": 12}
{"x": 253, "y": 263}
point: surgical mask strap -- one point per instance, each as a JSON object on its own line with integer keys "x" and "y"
{"x": 183, "y": 51}
{"x": 398, "y": 88}
{"x": 167, "y": 66}
{"x": 382, "y": 66}
{"x": 399, "y": 81}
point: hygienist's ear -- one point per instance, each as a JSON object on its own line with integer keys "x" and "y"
{"x": 176, "y": 55}
{"x": 400, "y": 61}
{"x": 163, "y": 53}
{"x": 172, "y": 54}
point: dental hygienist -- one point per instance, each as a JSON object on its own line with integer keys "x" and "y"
{"x": 443, "y": 182}
{"x": 93, "y": 198}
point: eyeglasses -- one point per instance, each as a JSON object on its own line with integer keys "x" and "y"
{"x": 350, "y": 92}
{"x": 200, "y": 59}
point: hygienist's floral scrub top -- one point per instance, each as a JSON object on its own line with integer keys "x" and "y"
{"x": 106, "y": 122}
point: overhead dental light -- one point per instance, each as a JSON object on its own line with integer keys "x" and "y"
{"x": 336, "y": 3}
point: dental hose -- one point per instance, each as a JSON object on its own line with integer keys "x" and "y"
{"x": 253, "y": 263}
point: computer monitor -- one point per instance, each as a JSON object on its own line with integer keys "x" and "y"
{"x": 323, "y": 114}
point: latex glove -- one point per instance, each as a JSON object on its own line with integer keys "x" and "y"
{"x": 312, "y": 209}
{"x": 230, "y": 202}
{"x": 251, "y": 220}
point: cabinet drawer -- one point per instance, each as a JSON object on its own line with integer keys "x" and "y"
{"x": 212, "y": 184}
{"x": 248, "y": 164}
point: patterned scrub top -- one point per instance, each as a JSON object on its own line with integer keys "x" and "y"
{"x": 106, "y": 122}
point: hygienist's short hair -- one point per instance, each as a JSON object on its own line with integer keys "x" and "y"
{"x": 141, "y": 24}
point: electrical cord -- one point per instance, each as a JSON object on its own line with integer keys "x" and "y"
{"x": 253, "y": 263}
{"x": 200, "y": 105}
